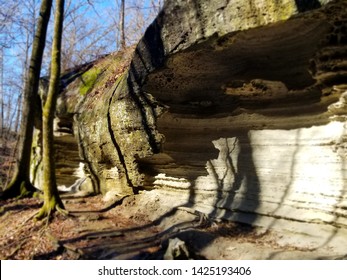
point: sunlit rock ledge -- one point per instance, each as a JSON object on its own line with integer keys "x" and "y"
{"x": 255, "y": 126}
{"x": 292, "y": 180}
{"x": 234, "y": 108}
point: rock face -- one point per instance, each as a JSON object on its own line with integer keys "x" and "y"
{"x": 236, "y": 108}
{"x": 255, "y": 130}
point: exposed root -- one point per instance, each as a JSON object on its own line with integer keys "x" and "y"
{"x": 42, "y": 214}
{"x": 17, "y": 249}
{"x": 62, "y": 210}
{"x": 203, "y": 219}
{"x": 21, "y": 225}
{"x": 19, "y": 189}
{"x": 24, "y": 231}
{"x": 46, "y": 212}
{"x": 61, "y": 246}
{"x": 29, "y": 218}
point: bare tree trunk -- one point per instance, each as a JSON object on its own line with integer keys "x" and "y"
{"x": 25, "y": 71}
{"x": 122, "y": 25}
{"x": 18, "y": 114}
{"x": 52, "y": 200}
{"x": 2, "y": 91}
{"x": 7, "y": 122}
{"x": 20, "y": 185}
{"x": 156, "y": 6}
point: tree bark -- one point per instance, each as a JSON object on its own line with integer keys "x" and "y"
{"x": 20, "y": 185}
{"x": 1, "y": 91}
{"x": 52, "y": 200}
{"x": 122, "y": 25}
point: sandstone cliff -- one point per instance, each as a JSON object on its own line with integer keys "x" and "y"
{"x": 235, "y": 108}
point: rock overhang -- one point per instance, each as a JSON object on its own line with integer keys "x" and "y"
{"x": 210, "y": 76}
{"x": 251, "y": 131}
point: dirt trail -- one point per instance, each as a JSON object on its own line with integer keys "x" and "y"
{"x": 123, "y": 229}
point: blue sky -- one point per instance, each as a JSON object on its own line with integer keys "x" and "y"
{"x": 103, "y": 15}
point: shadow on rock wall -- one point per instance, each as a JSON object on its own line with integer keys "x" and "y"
{"x": 307, "y": 5}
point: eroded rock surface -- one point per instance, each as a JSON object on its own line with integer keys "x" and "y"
{"x": 235, "y": 108}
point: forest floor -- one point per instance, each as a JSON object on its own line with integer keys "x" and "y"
{"x": 121, "y": 229}
{"x": 6, "y": 160}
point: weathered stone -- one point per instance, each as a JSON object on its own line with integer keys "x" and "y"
{"x": 255, "y": 128}
{"x": 236, "y": 108}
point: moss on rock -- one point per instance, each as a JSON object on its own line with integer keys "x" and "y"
{"x": 89, "y": 80}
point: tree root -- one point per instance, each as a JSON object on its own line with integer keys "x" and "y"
{"x": 15, "y": 250}
{"x": 17, "y": 231}
{"x": 46, "y": 212}
{"x": 18, "y": 189}
{"x": 60, "y": 246}
{"x": 22, "y": 224}
{"x": 203, "y": 219}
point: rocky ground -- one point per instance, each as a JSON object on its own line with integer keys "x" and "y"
{"x": 122, "y": 229}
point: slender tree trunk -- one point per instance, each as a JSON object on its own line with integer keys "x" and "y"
{"x": 18, "y": 114}
{"x": 122, "y": 25}
{"x": 7, "y": 121}
{"x": 52, "y": 200}
{"x": 2, "y": 91}
{"x": 20, "y": 185}
{"x": 24, "y": 75}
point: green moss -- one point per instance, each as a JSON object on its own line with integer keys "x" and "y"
{"x": 89, "y": 79}
{"x": 36, "y": 158}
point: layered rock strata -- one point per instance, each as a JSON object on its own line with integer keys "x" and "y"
{"x": 236, "y": 108}
{"x": 255, "y": 129}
